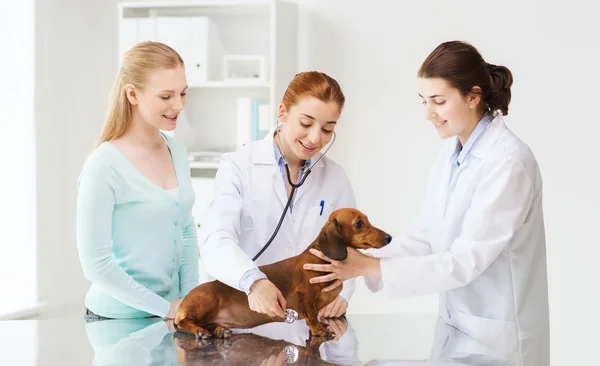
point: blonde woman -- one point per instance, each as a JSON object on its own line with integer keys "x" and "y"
{"x": 135, "y": 231}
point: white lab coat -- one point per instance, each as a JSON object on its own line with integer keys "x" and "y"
{"x": 249, "y": 198}
{"x": 480, "y": 243}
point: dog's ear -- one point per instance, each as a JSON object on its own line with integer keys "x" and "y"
{"x": 331, "y": 242}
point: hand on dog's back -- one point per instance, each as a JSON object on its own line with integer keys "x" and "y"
{"x": 265, "y": 298}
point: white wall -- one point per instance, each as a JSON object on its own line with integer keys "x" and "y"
{"x": 17, "y": 158}
{"x": 374, "y": 49}
{"x": 76, "y": 59}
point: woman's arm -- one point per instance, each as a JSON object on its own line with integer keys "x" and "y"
{"x": 188, "y": 271}
{"x": 499, "y": 207}
{"x": 219, "y": 249}
{"x": 414, "y": 243}
{"x": 95, "y": 205}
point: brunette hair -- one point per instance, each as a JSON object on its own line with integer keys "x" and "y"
{"x": 461, "y": 65}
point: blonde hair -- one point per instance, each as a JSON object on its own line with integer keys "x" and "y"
{"x": 138, "y": 63}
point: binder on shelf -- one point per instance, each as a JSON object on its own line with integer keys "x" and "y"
{"x": 253, "y": 120}
{"x": 260, "y": 118}
{"x": 244, "y": 121}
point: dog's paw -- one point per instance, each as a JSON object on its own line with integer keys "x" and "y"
{"x": 203, "y": 342}
{"x": 203, "y": 335}
{"x": 224, "y": 343}
{"x": 224, "y": 333}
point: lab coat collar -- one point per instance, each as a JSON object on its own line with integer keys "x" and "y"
{"x": 281, "y": 161}
{"x": 264, "y": 152}
{"x": 488, "y": 137}
{"x": 265, "y": 155}
{"x": 461, "y": 152}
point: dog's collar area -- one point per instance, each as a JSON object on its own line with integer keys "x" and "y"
{"x": 318, "y": 247}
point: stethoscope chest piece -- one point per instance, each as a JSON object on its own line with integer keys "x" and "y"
{"x": 291, "y": 354}
{"x": 291, "y": 315}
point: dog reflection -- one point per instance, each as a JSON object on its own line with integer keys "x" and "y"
{"x": 246, "y": 349}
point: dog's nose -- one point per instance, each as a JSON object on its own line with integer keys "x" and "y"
{"x": 387, "y": 239}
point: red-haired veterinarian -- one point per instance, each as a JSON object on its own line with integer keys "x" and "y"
{"x": 252, "y": 189}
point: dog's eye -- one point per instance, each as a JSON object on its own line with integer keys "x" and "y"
{"x": 359, "y": 224}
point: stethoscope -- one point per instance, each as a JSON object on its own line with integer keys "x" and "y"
{"x": 292, "y": 184}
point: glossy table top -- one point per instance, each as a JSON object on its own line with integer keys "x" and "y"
{"x": 366, "y": 340}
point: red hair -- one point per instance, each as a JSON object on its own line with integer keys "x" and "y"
{"x": 313, "y": 84}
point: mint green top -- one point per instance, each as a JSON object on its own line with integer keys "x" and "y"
{"x": 137, "y": 242}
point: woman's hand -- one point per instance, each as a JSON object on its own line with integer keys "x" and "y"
{"x": 335, "y": 309}
{"x": 265, "y": 298}
{"x": 337, "y": 326}
{"x": 170, "y": 325}
{"x": 356, "y": 264}
{"x": 273, "y": 360}
{"x": 174, "y": 306}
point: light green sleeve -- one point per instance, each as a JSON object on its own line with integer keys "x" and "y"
{"x": 95, "y": 204}
{"x": 188, "y": 272}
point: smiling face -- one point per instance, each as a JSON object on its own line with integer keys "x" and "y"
{"x": 451, "y": 113}
{"x": 162, "y": 98}
{"x": 307, "y": 127}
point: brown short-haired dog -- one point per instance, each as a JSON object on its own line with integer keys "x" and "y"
{"x": 213, "y": 307}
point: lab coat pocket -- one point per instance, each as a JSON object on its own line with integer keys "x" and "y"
{"x": 499, "y": 336}
{"x": 246, "y": 224}
{"x": 315, "y": 219}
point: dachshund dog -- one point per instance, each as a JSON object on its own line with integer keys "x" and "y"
{"x": 213, "y": 307}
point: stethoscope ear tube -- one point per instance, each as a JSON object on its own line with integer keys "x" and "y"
{"x": 294, "y": 187}
{"x": 287, "y": 206}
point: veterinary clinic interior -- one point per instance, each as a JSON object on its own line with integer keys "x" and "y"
{"x": 306, "y": 182}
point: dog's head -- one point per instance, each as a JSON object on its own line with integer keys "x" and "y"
{"x": 348, "y": 227}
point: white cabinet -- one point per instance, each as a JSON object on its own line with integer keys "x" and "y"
{"x": 133, "y": 31}
{"x": 207, "y": 33}
{"x": 197, "y": 41}
{"x": 194, "y": 38}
